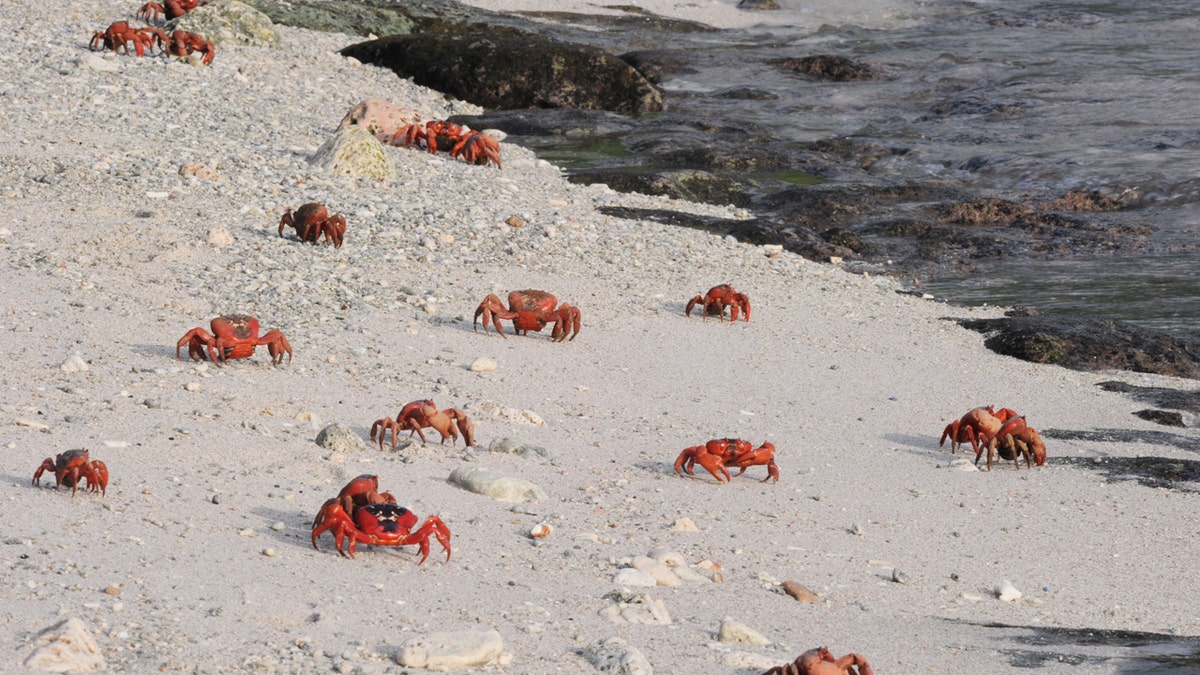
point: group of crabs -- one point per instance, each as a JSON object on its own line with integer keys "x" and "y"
{"x": 119, "y": 35}
{"x": 1001, "y": 432}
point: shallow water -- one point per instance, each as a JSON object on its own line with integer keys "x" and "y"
{"x": 1018, "y": 99}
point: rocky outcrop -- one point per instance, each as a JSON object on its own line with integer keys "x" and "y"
{"x": 230, "y": 22}
{"x": 1084, "y": 343}
{"x": 499, "y": 67}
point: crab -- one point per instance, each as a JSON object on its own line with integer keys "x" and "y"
{"x": 382, "y": 426}
{"x": 432, "y": 133}
{"x": 441, "y": 420}
{"x": 70, "y": 467}
{"x": 119, "y": 35}
{"x": 1015, "y": 439}
{"x": 312, "y": 220}
{"x": 477, "y": 148}
{"x": 183, "y": 43}
{"x": 763, "y": 455}
{"x": 234, "y": 336}
{"x": 362, "y": 514}
{"x": 975, "y": 427}
{"x": 530, "y": 310}
{"x": 820, "y": 661}
{"x": 720, "y": 453}
{"x": 172, "y": 9}
{"x": 717, "y": 299}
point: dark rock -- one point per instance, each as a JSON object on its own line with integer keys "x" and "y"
{"x": 799, "y": 240}
{"x": 498, "y": 67}
{"x": 1084, "y": 343}
{"x": 659, "y": 64}
{"x": 696, "y": 186}
{"x": 984, "y": 211}
{"x": 758, "y": 5}
{"x": 571, "y": 122}
{"x": 828, "y": 67}
{"x": 1163, "y": 417}
{"x": 349, "y": 18}
{"x": 1153, "y": 472}
{"x": 745, "y": 94}
{"x": 844, "y": 238}
{"x": 974, "y": 105}
{"x": 1160, "y": 397}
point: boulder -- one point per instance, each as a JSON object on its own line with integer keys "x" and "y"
{"x": 498, "y": 67}
{"x": 229, "y": 22}
{"x": 355, "y": 151}
{"x": 496, "y": 485}
{"x": 339, "y": 438}
{"x": 381, "y": 118}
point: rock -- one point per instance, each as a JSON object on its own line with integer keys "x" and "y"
{"x": 218, "y": 236}
{"x": 540, "y": 531}
{"x": 74, "y": 364}
{"x": 501, "y": 67}
{"x": 340, "y": 439}
{"x": 495, "y": 485}
{"x": 447, "y": 650}
{"x": 614, "y": 655}
{"x": 828, "y": 67}
{"x": 354, "y": 151}
{"x": 381, "y": 118}
{"x": 629, "y": 576}
{"x": 758, "y": 5}
{"x": 799, "y": 591}
{"x": 1085, "y": 343}
{"x": 667, "y": 556}
{"x": 739, "y": 633}
{"x": 635, "y": 608}
{"x": 512, "y": 414}
{"x": 483, "y": 365}
{"x": 229, "y": 22}
{"x": 1006, "y": 592}
{"x": 66, "y": 647}
{"x": 662, "y": 575}
{"x": 515, "y": 447}
{"x": 685, "y": 525}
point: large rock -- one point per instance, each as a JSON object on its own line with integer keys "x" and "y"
{"x": 615, "y": 656}
{"x": 496, "y": 485}
{"x": 340, "y": 438}
{"x": 381, "y": 118}
{"x": 66, "y": 647}
{"x": 1084, "y": 343}
{"x": 498, "y": 67}
{"x": 354, "y": 151}
{"x": 448, "y": 650}
{"x": 230, "y": 22}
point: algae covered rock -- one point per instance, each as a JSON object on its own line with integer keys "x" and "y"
{"x": 230, "y": 22}
{"x": 354, "y": 151}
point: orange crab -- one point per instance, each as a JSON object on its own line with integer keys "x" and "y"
{"x": 717, "y": 299}
{"x": 171, "y": 9}
{"x": 312, "y": 220}
{"x": 362, "y": 514}
{"x": 234, "y": 336}
{"x": 530, "y": 310}
{"x": 1013, "y": 440}
{"x": 428, "y": 416}
{"x": 119, "y": 35}
{"x": 401, "y": 422}
{"x": 445, "y": 132}
{"x": 720, "y": 453}
{"x": 70, "y": 467}
{"x": 975, "y": 427}
{"x": 477, "y": 148}
{"x": 763, "y": 455}
{"x": 183, "y": 43}
{"x": 820, "y": 661}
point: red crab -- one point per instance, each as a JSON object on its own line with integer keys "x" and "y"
{"x": 311, "y": 221}
{"x": 763, "y": 455}
{"x": 119, "y": 35}
{"x": 717, "y": 299}
{"x": 440, "y": 420}
{"x": 1014, "y": 440}
{"x": 975, "y": 427}
{"x": 362, "y": 514}
{"x": 183, "y": 43}
{"x": 718, "y": 454}
{"x": 445, "y": 132}
{"x": 236, "y": 336}
{"x": 382, "y": 426}
{"x": 530, "y": 310}
{"x": 172, "y": 9}
{"x": 477, "y": 148}
{"x": 71, "y": 466}
{"x": 820, "y": 661}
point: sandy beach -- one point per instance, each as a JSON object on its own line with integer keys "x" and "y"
{"x": 141, "y": 198}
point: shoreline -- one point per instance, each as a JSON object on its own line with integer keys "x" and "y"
{"x": 199, "y": 557}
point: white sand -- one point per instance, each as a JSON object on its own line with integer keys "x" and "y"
{"x": 851, "y": 381}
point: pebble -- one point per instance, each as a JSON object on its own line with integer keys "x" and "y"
{"x": 67, "y": 646}
{"x": 496, "y": 485}
{"x": 616, "y": 656}
{"x": 74, "y": 364}
{"x": 737, "y": 632}
{"x": 269, "y": 552}
{"x": 799, "y": 591}
{"x": 483, "y": 365}
{"x": 1005, "y": 591}
{"x": 448, "y": 650}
